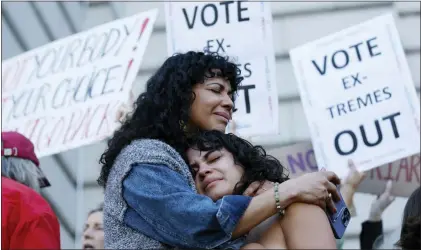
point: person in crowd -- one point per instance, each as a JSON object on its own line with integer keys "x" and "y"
{"x": 21, "y": 163}
{"x": 28, "y": 222}
{"x": 93, "y": 233}
{"x": 150, "y": 196}
{"x": 224, "y": 164}
{"x": 411, "y": 223}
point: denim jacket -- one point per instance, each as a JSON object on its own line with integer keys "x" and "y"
{"x": 151, "y": 202}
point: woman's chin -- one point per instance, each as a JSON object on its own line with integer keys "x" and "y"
{"x": 221, "y": 127}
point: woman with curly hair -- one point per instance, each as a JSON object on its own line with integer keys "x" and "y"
{"x": 150, "y": 196}
{"x": 224, "y": 164}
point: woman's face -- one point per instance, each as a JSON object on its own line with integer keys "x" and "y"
{"x": 215, "y": 172}
{"x": 93, "y": 234}
{"x": 212, "y": 106}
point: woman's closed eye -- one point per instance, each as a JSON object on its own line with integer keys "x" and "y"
{"x": 213, "y": 157}
{"x": 216, "y": 90}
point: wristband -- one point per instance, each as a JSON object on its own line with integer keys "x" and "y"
{"x": 281, "y": 211}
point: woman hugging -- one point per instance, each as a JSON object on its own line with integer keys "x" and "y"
{"x": 153, "y": 199}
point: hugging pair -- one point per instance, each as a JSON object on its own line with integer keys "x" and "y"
{"x": 170, "y": 185}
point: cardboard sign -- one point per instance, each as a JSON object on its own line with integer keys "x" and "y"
{"x": 241, "y": 30}
{"x": 358, "y": 96}
{"x": 405, "y": 173}
{"x": 298, "y": 158}
{"x": 66, "y": 94}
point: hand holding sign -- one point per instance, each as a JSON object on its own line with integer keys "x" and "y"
{"x": 354, "y": 177}
{"x": 381, "y": 203}
{"x": 350, "y": 185}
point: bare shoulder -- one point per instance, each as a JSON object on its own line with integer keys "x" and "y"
{"x": 307, "y": 226}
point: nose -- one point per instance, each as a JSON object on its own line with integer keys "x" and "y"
{"x": 203, "y": 171}
{"x": 87, "y": 234}
{"x": 227, "y": 102}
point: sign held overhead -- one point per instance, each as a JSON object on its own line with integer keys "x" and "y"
{"x": 66, "y": 94}
{"x": 358, "y": 96}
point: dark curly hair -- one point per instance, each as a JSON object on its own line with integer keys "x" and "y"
{"x": 257, "y": 165}
{"x": 411, "y": 223}
{"x": 164, "y": 108}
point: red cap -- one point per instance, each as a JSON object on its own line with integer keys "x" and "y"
{"x": 17, "y": 145}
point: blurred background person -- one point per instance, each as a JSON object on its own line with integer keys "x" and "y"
{"x": 411, "y": 223}
{"x": 93, "y": 233}
{"x": 372, "y": 228}
{"x": 28, "y": 222}
{"x": 20, "y": 162}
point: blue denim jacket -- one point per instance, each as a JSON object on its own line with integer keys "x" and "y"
{"x": 162, "y": 206}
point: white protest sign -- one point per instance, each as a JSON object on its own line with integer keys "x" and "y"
{"x": 241, "y": 30}
{"x": 66, "y": 94}
{"x": 405, "y": 173}
{"x": 358, "y": 96}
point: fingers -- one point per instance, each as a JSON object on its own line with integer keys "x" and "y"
{"x": 387, "y": 194}
{"x": 330, "y": 205}
{"x": 252, "y": 188}
{"x": 388, "y": 189}
{"x": 351, "y": 165}
{"x": 333, "y": 191}
{"x": 266, "y": 185}
{"x": 363, "y": 175}
{"x": 332, "y": 177}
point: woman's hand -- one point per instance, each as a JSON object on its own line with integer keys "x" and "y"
{"x": 318, "y": 188}
{"x": 381, "y": 203}
{"x": 350, "y": 185}
{"x": 258, "y": 187}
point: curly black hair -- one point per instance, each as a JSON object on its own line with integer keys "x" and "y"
{"x": 164, "y": 108}
{"x": 257, "y": 165}
{"x": 411, "y": 223}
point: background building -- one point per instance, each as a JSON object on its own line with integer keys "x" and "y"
{"x": 27, "y": 25}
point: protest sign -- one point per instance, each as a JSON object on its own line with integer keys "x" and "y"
{"x": 66, "y": 94}
{"x": 358, "y": 96}
{"x": 298, "y": 158}
{"x": 405, "y": 173}
{"x": 241, "y": 30}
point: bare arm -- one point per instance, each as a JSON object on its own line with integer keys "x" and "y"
{"x": 310, "y": 188}
{"x": 261, "y": 208}
{"x": 307, "y": 226}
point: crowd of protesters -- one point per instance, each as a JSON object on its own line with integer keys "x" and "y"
{"x": 173, "y": 178}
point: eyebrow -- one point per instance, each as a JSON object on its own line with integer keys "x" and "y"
{"x": 208, "y": 153}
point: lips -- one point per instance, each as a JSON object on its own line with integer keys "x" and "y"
{"x": 208, "y": 181}
{"x": 88, "y": 246}
{"x": 224, "y": 114}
